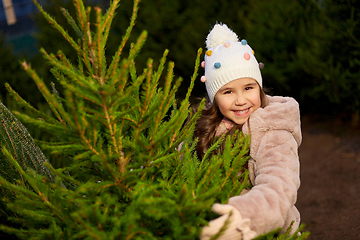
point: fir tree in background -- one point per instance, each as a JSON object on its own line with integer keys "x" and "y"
{"x": 128, "y": 169}
{"x": 311, "y": 52}
{"x": 332, "y": 57}
{"x": 309, "y": 48}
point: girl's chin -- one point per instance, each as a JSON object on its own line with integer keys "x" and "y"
{"x": 240, "y": 121}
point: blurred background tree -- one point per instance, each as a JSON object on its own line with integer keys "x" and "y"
{"x": 310, "y": 48}
{"x": 10, "y": 69}
{"x": 331, "y": 57}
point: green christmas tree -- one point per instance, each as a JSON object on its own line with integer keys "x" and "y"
{"x": 129, "y": 169}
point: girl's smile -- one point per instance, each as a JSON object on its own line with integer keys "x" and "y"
{"x": 242, "y": 112}
{"x": 238, "y": 99}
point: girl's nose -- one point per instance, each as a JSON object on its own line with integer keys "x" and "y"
{"x": 240, "y": 100}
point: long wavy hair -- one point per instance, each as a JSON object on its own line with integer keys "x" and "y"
{"x": 206, "y": 125}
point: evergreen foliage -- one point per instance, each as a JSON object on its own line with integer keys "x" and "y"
{"x": 310, "y": 48}
{"x": 332, "y": 57}
{"x": 51, "y": 40}
{"x": 130, "y": 170}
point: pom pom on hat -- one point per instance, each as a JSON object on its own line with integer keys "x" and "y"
{"x": 227, "y": 59}
{"x": 219, "y": 35}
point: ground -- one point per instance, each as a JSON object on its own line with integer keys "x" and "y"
{"x": 329, "y": 196}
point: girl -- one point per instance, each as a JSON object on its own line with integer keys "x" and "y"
{"x": 234, "y": 86}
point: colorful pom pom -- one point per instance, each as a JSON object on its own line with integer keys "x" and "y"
{"x": 217, "y": 65}
{"x": 253, "y": 52}
{"x": 209, "y": 52}
{"x": 247, "y": 56}
{"x": 261, "y": 65}
{"x": 203, "y": 64}
{"x": 203, "y": 79}
{"x": 243, "y": 42}
{"x": 227, "y": 44}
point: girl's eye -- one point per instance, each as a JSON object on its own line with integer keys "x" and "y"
{"x": 248, "y": 88}
{"x": 227, "y": 92}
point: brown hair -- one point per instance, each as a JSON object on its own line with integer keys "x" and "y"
{"x": 206, "y": 125}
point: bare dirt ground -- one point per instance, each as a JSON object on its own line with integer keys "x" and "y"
{"x": 329, "y": 196}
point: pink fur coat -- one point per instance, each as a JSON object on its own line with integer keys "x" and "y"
{"x": 274, "y": 172}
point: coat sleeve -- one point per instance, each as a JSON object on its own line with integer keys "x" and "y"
{"x": 268, "y": 203}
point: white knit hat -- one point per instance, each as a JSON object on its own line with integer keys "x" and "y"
{"x": 227, "y": 59}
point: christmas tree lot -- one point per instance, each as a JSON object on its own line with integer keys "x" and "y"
{"x": 129, "y": 169}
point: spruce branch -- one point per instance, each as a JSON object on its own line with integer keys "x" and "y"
{"x": 81, "y": 14}
{"x": 32, "y": 182}
{"x": 35, "y": 215}
{"x": 111, "y": 126}
{"x": 20, "y": 170}
{"x": 161, "y": 66}
{"x": 121, "y": 96}
{"x": 87, "y": 47}
{"x": 164, "y": 102}
{"x": 86, "y": 94}
{"x": 89, "y": 53}
{"x": 58, "y": 27}
{"x": 80, "y": 123}
{"x": 121, "y": 76}
{"x": 61, "y": 175}
{"x": 135, "y": 48}
{"x": 149, "y": 90}
{"x": 26, "y": 233}
{"x": 107, "y": 20}
{"x": 80, "y": 62}
{"x": 71, "y": 21}
{"x": 100, "y": 58}
{"x": 52, "y": 101}
{"x": 49, "y": 127}
{"x": 65, "y": 64}
{"x": 183, "y": 111}
{"x": 68, "y": 69}
{"x": 19, "y": 100}
{"x": 114, "y": 64}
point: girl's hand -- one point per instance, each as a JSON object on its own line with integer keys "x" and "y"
{"x": 236, "y": 227}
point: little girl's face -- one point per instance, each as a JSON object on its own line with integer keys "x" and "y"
{"x": 238, "y": 99}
